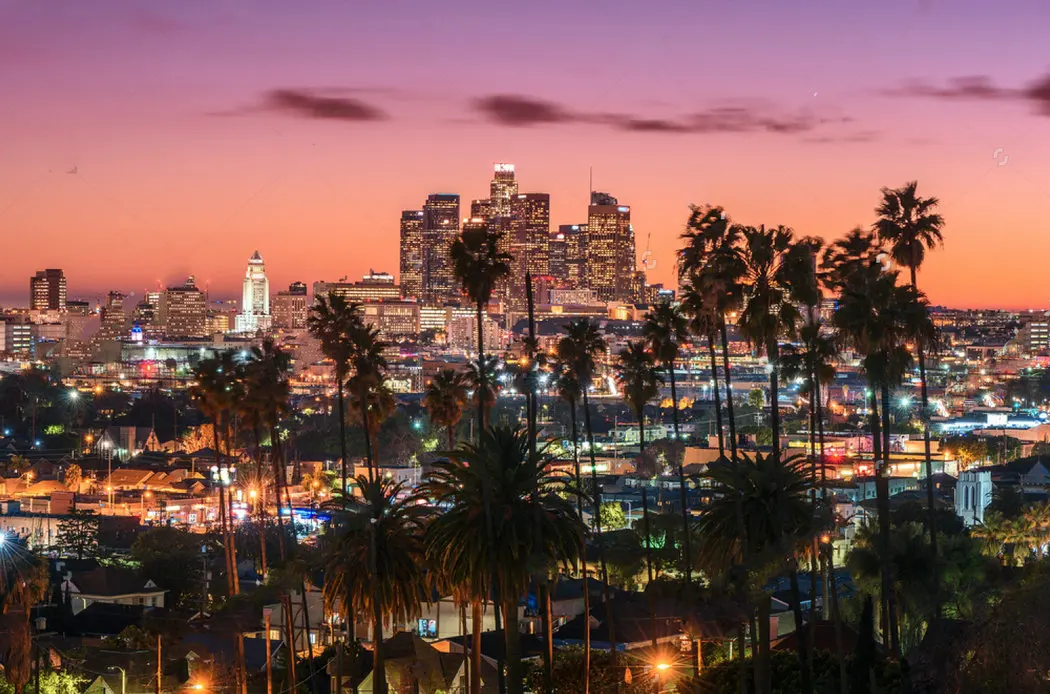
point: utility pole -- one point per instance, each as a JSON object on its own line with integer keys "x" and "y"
{"x": 160, "y": 670}
{"x": 269, "y": 665}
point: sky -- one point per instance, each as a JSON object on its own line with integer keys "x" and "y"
{"x": 141, "y": 142}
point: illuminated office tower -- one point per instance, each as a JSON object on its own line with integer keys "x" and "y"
{"x": 610, "y": 248}
{"x": 530, "y": 233}
{"x": 412, "y": 253}
{"x": 440, "y": 230}
{"x": 291, "y": 307}
{"x": 481, "y": 209}
{"x": 255, "y": 297}
{"x": 184, "y": 311}
{"x": 502, "y": 190}
{"x": 47, "y": 290}
{"x": 575, "y": 254}
{"x": 556, "y": 250}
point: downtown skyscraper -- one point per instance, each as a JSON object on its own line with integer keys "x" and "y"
{"x": 47, "y": 290}
{"x": 611, "y": 262}
{"x": 412, "y": 254}
{"x": 255, "y": 297}
{"x": 440, "y": 230}
{"x": 530, "y": 233}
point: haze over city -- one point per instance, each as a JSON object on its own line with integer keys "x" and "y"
{"x": 199, "y": 132}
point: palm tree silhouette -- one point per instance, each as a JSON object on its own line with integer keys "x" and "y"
{"x": 445, "y": 399}
{"x": 704, "y": 321}
{"x": 578, "y": 351}
{"x": 375, "y": 562}
{"x": 479, "y": 265}
{"x": 911, "y": 226}
{"x": 523, "y": 490}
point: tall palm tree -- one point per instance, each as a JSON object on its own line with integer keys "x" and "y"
{"x": 520, "y": 489}
{"x": 445, "y": 399}
{"x": 218, "y": 387}
{"x": 778, "y": 275}
{"x": 368, "y": 384}
{"x": 479, "y": 265}
{"x": 665, "y": 328}
{"x": 637, "y": 374}
{"x": 578, "y": 350}
{"x": 772, "y": 495}
{"x": 332, "y": 321}
{"x": 375, "y": 562}
{"x": 910, "y": 225}
{"x": 381, "y": 406}
{"x": 704, "y": 321}
{"x": 713, "y": 258}
{"x": 569, "y": 390}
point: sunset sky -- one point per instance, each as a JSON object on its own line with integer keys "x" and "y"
{"x": 201, "y": 130}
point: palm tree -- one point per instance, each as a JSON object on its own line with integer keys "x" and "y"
{"x": 24, "y": 583}
{"x": 479, "y": 265}
{"x": 484, "y": 386}
{"x": 578, "y": 351}
{"x": 704, "y": 321}
{"x": 637, "y": 374}
{"x": 911, "y": 226}
{"x": 445, "y": 399}
{"x": 368, "y": 384}
{"x": 381, "y": 406}
{"x": 712, "y": 258}
{"x": 375, "y": 562}
{"x": 332, "y": 321}
{"x": 773, "y": 498}
{"x": 520, "y": 490}
{"x": 778, "y": 275}
{"x": 665, "y": 328}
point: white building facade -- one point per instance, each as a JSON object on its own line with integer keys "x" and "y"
{"x": 255, "y": 298}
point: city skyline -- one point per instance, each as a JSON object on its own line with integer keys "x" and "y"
{"x": 211, "y": 143}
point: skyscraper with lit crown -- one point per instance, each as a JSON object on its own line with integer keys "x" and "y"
{"x": 502, "y": 190}
{"x": 255, "y": 298}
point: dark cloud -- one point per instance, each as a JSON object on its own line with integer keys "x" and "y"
{"x": 311, "y": 104}
{"x": 521, "y": 111}
{"x": 979, "y": 88}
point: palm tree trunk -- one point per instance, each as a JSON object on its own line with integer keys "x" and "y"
{"x": 687, "y": 557}
{"x": 278, "y": 483}
{"x": 883, "y": 512}
{"x": 378, "y": 666}
{"x": 649, "y": 565}
{"x": 763, "y": 680}
{"x": 222, "y": 511}
{"x": 512, "y": 639}
{"x": 475, "y": 647}
{"x": 607, "y": 597}
{"x": 309, "y": 646}
{"x": 729, "y": 392}
{"x": 482, "y": 382}
{"x": 833, "y": 596}
{"x": 718, "y": 396}
{"x": 773, "y": 353}
{"x": 583, "y": 552}
{"x": 924, "y": 394}
{"x": 259, "y": 511}
{"x": 548, "y": 636}
{"x": 466, "y": 650}
{"x": 289, "y": 625}
{"x": 368, "y": 432}
{"x": 451, "y": 436}
{"x": 494, "y": 572}
{"x": 891, "y": 607}
{"x": 801, "y": 645}
{"x": 342, "y": 436}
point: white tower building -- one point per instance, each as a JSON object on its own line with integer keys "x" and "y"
{"x": 255, "y": 298}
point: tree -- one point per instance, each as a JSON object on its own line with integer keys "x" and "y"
{"x": 78, "y": 534}
{"x": 578, "y": 351}
{"x": 73, "y": 477}
{"x": 333, "y": 321}
{"x": 771, "y": 496}
{"x": 479, "y": 265}
{"x": 911, "y": 226}
{"x": 445, "y": 400}
{"x": 381, "y": 406}
{"x": 24, "y": 584}
{"x": 535, "y": 518}
{"x": 756, "y": 398}
{"x": 169, "y": 556}
{"x": 613, "y": 516}
{"x": 637, "y": 375}
{"x": 704, "y": 320}
{"x": 374, "y": 563}
{"x": 665, "y": 327}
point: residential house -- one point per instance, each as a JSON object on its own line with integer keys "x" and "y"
{"x": 108, "y": 584}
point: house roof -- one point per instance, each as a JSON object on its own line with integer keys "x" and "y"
{"x": 110, "y": 581}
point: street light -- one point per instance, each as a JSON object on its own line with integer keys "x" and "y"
{"x": 123, "y": 678}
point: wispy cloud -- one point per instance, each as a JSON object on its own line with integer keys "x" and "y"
{"x": 314, "y": 104}
{"x": 978, "y": 88}
{"x": 515, "y": 110}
